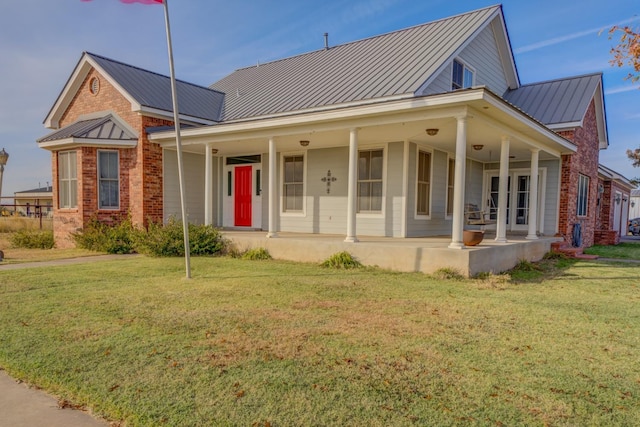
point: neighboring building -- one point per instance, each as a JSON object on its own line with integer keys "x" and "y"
{"x": 34, "y": 203}
{"x": 392, "y": 135}
{"x": 614, "y": 201}
{"x": 634, "y": 204}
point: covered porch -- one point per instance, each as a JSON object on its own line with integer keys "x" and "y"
{"x": 420, "y": 254}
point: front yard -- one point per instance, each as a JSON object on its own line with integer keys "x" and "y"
{"x": 269, "y": 343}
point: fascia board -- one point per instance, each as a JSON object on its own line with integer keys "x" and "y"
{"x": 52, "y": 121}
{"x": 67, "y": 143}
{"x": 168, "y": 115}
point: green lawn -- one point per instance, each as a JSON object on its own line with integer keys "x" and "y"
{"x": 622, "y": 251}
{"x": 269, "y": 343}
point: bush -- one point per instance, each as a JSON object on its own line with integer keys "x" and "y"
{"x": 101, "y": 237}
{"x": 168, "y": 240}
{"x": 31, "y": 239}
{"x": 341, "y": 260}
{"x": 256, "y": 254}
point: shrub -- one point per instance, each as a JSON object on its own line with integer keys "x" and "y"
{"x": 31, "y": 239}
{"x": 168, "y": 240}
{"x": 341, "y": 260}
{"x": 101, "y": 237}
{"x": 256, "y": 254}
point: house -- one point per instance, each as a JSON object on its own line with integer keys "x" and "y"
{"x": 634, "y": 204}
{"x": 36, "y": 202}
{"x": 396, "y": 136}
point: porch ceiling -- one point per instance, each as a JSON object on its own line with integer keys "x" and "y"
{"x": 490, "y": 118}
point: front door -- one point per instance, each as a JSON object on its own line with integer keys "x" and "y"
{"x": 243, "y": 194}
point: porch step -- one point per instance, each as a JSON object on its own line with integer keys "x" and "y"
{"x": 565, "y": 248}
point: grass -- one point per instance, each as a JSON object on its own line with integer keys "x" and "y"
{"x": 621, "y": 251}
{"x": 14, "y": 255}
{"x": 297, "y": 344}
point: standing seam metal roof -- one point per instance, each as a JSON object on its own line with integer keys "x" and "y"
{"x": 395, "y": 63}
{"x": 556, "y": 101}
{"x": 153, "y": 90}
{"x": 99, "y": 128}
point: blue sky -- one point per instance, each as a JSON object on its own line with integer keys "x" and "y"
{"x": 42, "y": 40}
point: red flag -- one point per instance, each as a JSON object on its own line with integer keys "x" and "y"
{"x": 139, "y": 1}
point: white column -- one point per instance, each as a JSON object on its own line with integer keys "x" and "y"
{"x": 533, "y": 195}
{"x": 273, "y": 191}
{"x": 352, "y": 187}
{"x": 458, "y": 184}
{"x": 501, "y": 227}
{"x": 405, "y": 187}
{"x": 208, "y": 182}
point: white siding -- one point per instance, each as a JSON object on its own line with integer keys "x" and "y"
{"x": 193, "y": 167}
{"x": 483, "y": 57}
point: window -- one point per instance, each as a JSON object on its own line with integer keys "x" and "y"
{"x": 108, "y": 180}
{"x": 424, "y": 183}
{"x": 67, "y": 180}
{"x": 293, "y": 183}
{"x": 583, "y": 195}
{"x": 462, "y": 76}
{"x": 370, "y": 181}
{"x": 451, "y": 174}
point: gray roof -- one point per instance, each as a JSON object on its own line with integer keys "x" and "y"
{"x": 99, "y": 128}
{"x": 397, "y": 63}
{"x": 153, "y": 90}
{"x": 556, "y": 102}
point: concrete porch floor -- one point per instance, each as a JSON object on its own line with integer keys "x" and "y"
{"x": 423, "y": 254}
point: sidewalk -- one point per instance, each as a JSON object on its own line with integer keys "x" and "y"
{"x": 22, "y": 406}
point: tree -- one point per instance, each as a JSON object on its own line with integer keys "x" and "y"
{"x": 627, "y": 51}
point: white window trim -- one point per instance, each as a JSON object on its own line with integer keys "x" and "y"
{"x": 66, "y": 153}
{"x": 418, "y": 216}
{"x": 302, "y": 213}
{"x": 586, "y": 205}
{"x": 382, "y": 213}
{"x": 109, "y": 208}
{"x": 465, "y": 65}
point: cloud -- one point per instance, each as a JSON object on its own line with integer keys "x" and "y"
{"x": 621, "y": 89}
{"x": 572, "y": 36}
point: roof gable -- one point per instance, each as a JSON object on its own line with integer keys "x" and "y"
{"x": 148, "y": 92}
{"x": 563, "y": 103}
{"x": 103, "y": 130}
{"x": 392, "y": 65}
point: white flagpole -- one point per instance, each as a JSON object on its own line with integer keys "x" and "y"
{"x": 176, "y": 119}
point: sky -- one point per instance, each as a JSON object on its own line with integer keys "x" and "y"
{"x": 41, "y": 42}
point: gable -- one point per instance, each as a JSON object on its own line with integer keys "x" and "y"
{"x": 482, "y": 55}
{"x": 390, "y": 66}
{"x": 148, "y": 93}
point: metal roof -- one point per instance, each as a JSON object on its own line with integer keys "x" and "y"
{"x": 392, "y": 64}
{"x": 556, "y": 101}
{"x": 99, "y": 128}
{"x": 35, "y": 191}
{"x": 153, "y": 90}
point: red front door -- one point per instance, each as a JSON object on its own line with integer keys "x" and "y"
{"x": 243, "y": 196}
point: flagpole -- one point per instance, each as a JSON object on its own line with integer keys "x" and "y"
{"x": 176, "y": 119}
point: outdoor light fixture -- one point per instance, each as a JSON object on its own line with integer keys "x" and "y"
{"x": 618, "y": 199}
{"x": 432, "y": 131}
{"x": 600, "y": 189}
{"x": 304, "y": 143}
{"x": 633, "y": 204}
{"x": 625, "y": 199}
{"x": 478, "y": 147}
{"x": 214, "y": 151}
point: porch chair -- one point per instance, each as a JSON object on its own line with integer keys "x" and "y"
{"x": 475, "y": 216}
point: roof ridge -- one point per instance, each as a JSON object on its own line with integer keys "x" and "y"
{"x": 598, "y": 73}
{"x": 149, "y": 71}
{"x": 368, "y": 38}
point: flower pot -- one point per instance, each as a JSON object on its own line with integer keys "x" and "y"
{"x": 472, "y": 237}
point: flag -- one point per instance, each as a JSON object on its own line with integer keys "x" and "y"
{"x": 138, "y": 1}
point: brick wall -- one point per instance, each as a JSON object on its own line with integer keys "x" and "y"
{"x": 140, "y": 167}
{"x": 583, "y": 162}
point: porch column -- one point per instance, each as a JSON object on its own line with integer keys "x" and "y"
{"x": 273, "y": 191}
{"x": 501, "y": 226}
{"x": 459, "y": 183}
{"x": 208, "y": 182}
{"x": 405, "y": 187}
{"x": 352, "y": 192}
{"x": 533, "y": 195}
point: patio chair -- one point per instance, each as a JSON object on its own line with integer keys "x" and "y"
{"x": 475, "y": 216}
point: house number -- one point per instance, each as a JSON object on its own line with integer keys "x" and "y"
{"x": 328, "y": 179}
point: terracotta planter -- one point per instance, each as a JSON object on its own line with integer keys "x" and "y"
{"x": 472, "y": 237}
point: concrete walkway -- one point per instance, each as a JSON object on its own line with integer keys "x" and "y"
{"x": 22, "y": 406}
